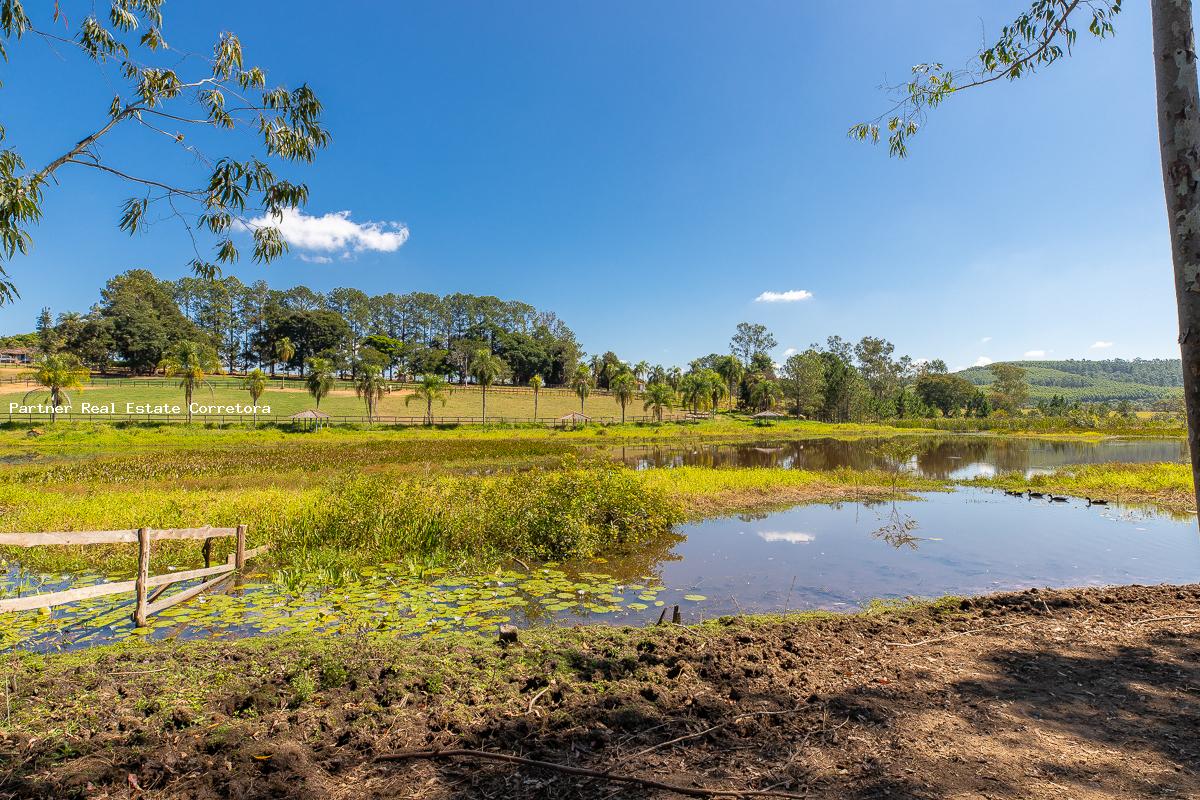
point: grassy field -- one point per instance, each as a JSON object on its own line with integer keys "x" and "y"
{"x": 463, "y": 401}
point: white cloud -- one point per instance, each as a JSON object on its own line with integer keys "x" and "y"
{"x": 790, "y": 296}
{"x": 335, "y": 232}
{"x": 985, "y": 340}
{"x": 982, "y": 361}
{"x": 315, "y": 259}
{"x": 1101, "y": 345}
{"x": 791, "y": 351}
{"x": 795, "y": 537}
{"x": 1035, "y": 354}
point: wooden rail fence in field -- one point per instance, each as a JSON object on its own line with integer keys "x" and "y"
{"x": 336, "y": 419}
{"x": 148, "y": 588}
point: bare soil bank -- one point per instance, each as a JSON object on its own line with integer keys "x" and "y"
{"x": 1041, "y": 694}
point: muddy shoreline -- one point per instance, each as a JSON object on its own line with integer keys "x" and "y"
{"x": 1080, "y": 693}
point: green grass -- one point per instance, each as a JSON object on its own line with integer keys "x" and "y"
{"x": 463, "y": 401}
{"x": 707, "y": 492}
{"x": 1167, "y": 485}
{"x": 346, "y": 518}
{"x": 1168, "y": 426}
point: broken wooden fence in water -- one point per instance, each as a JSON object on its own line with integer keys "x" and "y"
{"x": 148, "y": 588}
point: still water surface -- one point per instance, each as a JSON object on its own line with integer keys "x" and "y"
{"x": 969, "y": 541}
{"x": 957, "y": 458}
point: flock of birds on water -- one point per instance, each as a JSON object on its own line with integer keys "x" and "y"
{"x": 1052, "y": 498}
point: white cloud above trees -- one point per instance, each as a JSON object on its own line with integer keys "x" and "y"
{"x": 790, "y": 296}
{"x": 334, "y": 232}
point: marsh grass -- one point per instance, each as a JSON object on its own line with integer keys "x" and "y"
{"x": 1165, "y": 484}
{"x": 1167, "y": 427}
{"x": 538, "y": 515}
{"x": 706, "y": 492}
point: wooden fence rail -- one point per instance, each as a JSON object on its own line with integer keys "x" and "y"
{"x": 148, "y": 602}
{"x": 341, "y": 419}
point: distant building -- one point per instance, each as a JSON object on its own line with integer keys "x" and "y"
{"x": 16, "y": 355}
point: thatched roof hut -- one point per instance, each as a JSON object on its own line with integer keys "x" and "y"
{"x": 310, "y": 417}
{"x": 768, "y": 414}
{"x": 574, "y": 418}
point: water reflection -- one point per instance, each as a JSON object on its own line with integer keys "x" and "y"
{"x": 972, "y": 541}
{"x": 957, "y": 458}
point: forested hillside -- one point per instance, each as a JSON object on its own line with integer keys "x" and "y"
{"x": 1138, "y": 380}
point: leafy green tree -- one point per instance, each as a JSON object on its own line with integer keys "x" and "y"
{"x": 143, "y": 319}
{"x": 750, "y": 340}
{"x": 58, "y": 373}
{"x": 581, "y": 382}
{"x": 320, "y": 333}
{"x": 49, "y": 341}
{"x": 879, "y": 371}
{"x": 536, "y": 384}
{"x": 320, "y": 379}
{"x": 804, "y": 377}
{"x": 1010, "y": 389}
{"x": 392, "y": 350}
{"x": 658, "y": 397}
{"x": 949, "y": 394}
{"x": 370, "y": 386}
{"x": 486, "y": 369}
{"x": 255, "y": 383}
{"x": 431, "y": 389}
{"x": 192, "y": 363}
{"x": 623, "y": 387}
{"x": 641, "y": 369}
{"x": 160, "y": 95}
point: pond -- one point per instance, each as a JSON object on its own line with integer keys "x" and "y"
{"x": 839, "y": 557}
{"x": 953, "y": 458}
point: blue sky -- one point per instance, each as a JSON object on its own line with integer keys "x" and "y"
{"x": 648, "y": 170}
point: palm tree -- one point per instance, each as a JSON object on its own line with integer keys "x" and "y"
{"x": 716, "y": 388}
{"x": 765, "y": 395}
{"x": 370, "y": 386}
{"x": 192, "y": 363}
{"x": 731, "y": 371}
{"x": 674, "y": 376}
{"x": 58, "y": 372}
{"x": 485, "y": 369}
{"x": 431, "y": 388}
{"x": 255, "y": 383}
{"x": 693, "y": 389}
{"x": 641, "y": 369}
{"x": 320, "y": 378}
{"x": 535, "y": 383}
{"x": 623, "y": 388}
{"x": 284, "y": 351}
{"x": 659, "y": 397}
{"x": 581, "y": 382}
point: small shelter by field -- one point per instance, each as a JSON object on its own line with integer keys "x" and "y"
{"x": 310, "y": 418}
{"x": 765, "y": 417}
{"x": 574, "y": 418}
{"x": 16, "y": 355}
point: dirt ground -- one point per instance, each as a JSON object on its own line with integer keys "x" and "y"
{"x": 1041, "y": 694}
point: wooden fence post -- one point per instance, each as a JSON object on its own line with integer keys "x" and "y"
{"x": 239, "y": 560}
{"x": 143, "y": 574}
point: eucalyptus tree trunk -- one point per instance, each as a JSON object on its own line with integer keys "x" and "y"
{"x": 1179, "y": 145}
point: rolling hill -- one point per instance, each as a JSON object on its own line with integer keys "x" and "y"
{"x": 1140, "y": 381}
